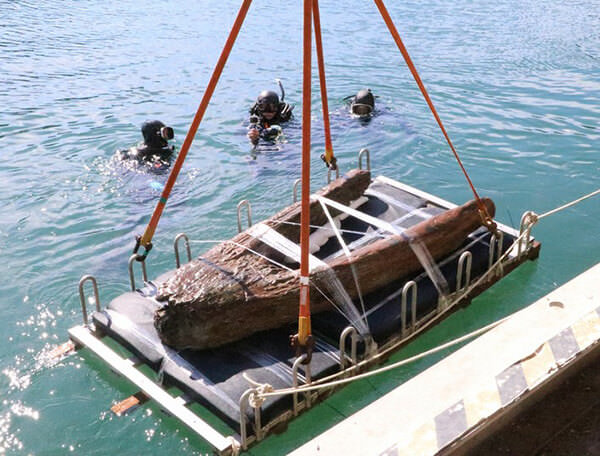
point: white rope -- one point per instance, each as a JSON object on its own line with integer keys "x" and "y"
{"x": 411, "y": 210}
{"x": 212, "y": 241}
{"x": 572, "y": 203}
{"x": 382, "y": 225}
{"x": 314, "y": 386}
{"x": 260, "y": 393}
{"x": 250, "y": 380}
{"x": 279, "y": 242}
{"x": 235, "y": 445}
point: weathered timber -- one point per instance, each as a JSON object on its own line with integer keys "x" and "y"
{"x": 229, "y": 292}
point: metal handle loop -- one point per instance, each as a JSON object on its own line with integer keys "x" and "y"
{"x": 240, "y": 205}
{"x": 360, "y": 156}
{"x": 411, "y": 284}
{"x": 495, "y": 252}
{"x": 295, "y": 190}
{"x": 468, "y": 258}
{"x": 337, "y": 174}
{"x": 348, "y": 331}
{"x": 526, "y": 226}
{"x": 82, "y": 296}
{"x": 187, "y": 248}
{"x": 301, "y": 360}
{"x": 132, "y": 259}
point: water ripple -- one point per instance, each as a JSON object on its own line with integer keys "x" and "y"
{"x": 516, "y": 84}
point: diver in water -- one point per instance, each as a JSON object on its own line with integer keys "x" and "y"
{"x": 363, "y": 103}
{"x": 155, "y": 150}
{"x": 267, "y": 113}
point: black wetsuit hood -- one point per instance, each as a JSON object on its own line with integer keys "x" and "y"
{"x": 155, "y": 148}
{"x": 151, "y": 131}
{"x": 266, "y": 98}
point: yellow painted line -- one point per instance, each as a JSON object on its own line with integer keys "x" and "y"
{"x": 538, "y": 365}
{"x": 587, "y": 330}
{"x": 424, "y": 441}
{"x": 482, "y": 403}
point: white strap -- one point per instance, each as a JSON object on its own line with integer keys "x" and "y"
{"x": 383, "y": 225}
{"x": 279, "y": 242}
{"x": 394, "y": 202}
{"x": 418, "y": 248}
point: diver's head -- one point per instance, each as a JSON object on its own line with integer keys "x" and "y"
{"x": 363, "y": 103}
{"x": 267, "y": 104}
{"x": 156, "y": 134}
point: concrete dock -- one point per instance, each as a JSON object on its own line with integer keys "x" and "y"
{"x": 460, "y": 404}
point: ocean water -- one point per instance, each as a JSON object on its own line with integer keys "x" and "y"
{"x": 517, "y": 84}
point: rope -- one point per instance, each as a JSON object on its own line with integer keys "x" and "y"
{"x": 341, "y": 230}
{"x": 348, "y": 256}
{"x": 262, "y": 390}
{"x": 235, "y": 446}
{"x": 328, "y": 382}
{"x": 212, "y": 241}
{"x": 400, "y": 363}
{"x": 565, "y": 206}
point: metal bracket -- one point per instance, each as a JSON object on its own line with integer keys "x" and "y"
{"x": 526, "y": 226}
{"x": 295, "y": 190}
{"x": 244, "y": 402}
{"x": 307, "y": 376}
{"x": 496, "y": 242}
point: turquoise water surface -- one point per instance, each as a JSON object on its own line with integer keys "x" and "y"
{"x": 517, "y": 84}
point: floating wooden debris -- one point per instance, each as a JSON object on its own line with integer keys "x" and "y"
{"x": 61, "y": 351}
{"x": 129, "y": 404}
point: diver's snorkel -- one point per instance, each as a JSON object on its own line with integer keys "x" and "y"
{"x": 278, "y": 81}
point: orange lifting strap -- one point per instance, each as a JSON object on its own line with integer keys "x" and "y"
{"x": 328, "y": 157}
{"x": 392, "y": 28}
{"x": 145, "y": 240}
{"x": 304, "y": 329}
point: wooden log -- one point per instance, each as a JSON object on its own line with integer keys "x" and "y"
{"x": 229, "y": 292}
